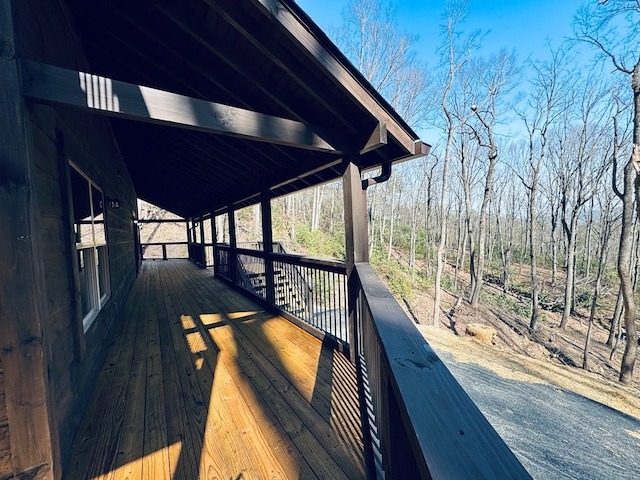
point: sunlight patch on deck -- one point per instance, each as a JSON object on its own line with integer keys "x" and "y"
{"x": 290, "y": 363}
{"x": 211, "y": 318}
{"x": 156, "y": 458}
{"x": 236, "y": 315}
{"x": 187, "y": 322}
{"x": 196, "y": 342}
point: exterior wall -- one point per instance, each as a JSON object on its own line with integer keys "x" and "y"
{"x": 5, "y": 447}
{"x": 60, "y": 135}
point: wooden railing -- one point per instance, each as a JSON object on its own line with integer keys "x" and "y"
{"x": 309, "y": 290}
{"x": 422, "y": 423}
{"x": 164, "y": 250}
{"x": 426, "y": 424}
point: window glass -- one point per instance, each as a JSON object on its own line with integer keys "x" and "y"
{"x": 97, "y": 200}
{"x": 103, "y": 272}
{"x": 85, "y": 299}
{"x": 81, "y": 208}
{"x": 91, "y": 245}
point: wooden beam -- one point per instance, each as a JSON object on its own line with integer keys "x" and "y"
{"x": 267, "y": 241}
{"x": 33, "y": 434}
{"x": 355, "y": 217}
{"x": 356, "y": 239}
{"x": 377, "y": 139}
{"x": 59, "y": 86}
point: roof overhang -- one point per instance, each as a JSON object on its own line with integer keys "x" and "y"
{"x": 214, "y": 101}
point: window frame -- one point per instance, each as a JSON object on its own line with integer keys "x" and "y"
{"x": 92, "y": 254}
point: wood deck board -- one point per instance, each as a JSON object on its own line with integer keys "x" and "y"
{"x": 272, "y": 348}
{"x": 203, "y": 383}
{"x": 100, "y": 435}
{"x": 257, "y": 445}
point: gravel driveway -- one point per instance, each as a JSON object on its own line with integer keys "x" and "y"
{"x": 556, "y": 434}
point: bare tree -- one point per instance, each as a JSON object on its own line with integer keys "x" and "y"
{"x": 580, "y": 160}
{"x": 613, "y": 28}
{"x": 497, "y": 77}
{"x": 370, "y": 37}
{"x": 548, "y": 100}
{"x": 455, "y": 54}
{"x": 606, "y": 225}
{"x": 429, "y": 171}
{"x": 468, "y": 174}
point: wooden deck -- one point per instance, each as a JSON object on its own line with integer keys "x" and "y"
{"x": 201, "y": 382}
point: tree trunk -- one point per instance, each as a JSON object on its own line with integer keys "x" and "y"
{"x": 482, "y": 232}
{"x": 392, "y": 218}
{"x": 604, "y": 242}
{"x": 587, "y": 247}
{"x": 626, "y": 283}
{"x": 443, "y": 230}
{"x": 615, "y": 319}
{"x": 631, "y": 187}
{"x": 532, "y": 255}
{"x": 554, "y": 246}
{"x": 571, "y": 260}
{"x": 412, "y": 247}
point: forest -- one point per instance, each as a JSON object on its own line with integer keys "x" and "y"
{"x": 528, "y": 201}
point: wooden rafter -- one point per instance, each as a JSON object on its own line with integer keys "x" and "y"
{"x": 317, "y": 53}
{"x": 54, "y": 85}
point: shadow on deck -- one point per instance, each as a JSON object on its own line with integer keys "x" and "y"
{"x": 201, "y": 382}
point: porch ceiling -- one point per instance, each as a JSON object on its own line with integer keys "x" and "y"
{"x": 266, "y": 56}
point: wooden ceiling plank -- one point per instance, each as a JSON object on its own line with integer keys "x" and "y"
{"x": 55, "y": 85}
{"x": 283, "y": 58}
{"x": 203, "y": 37}
{"x": 198, "y": 36}
{"x": 187, "y": 69}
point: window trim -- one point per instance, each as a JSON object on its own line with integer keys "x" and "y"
{"x": 92, "y": 254}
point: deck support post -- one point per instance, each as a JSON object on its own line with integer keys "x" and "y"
{"x": 214, "y": 239}
{"x": 267, "y": 241}
{"x": 202, "y": 247}
{"x": 189, "y": 238}
{"x": 356, "y": 239}
{"x": 24, "y": 350}
{"x": 233, "y": 252}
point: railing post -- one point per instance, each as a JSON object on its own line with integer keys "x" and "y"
{"x": 214, "y": 239}
{"x": 203, "y": 255}
{"x": 189, "y": 250}
{"x": 233, "y": 252}
{"x": 164, "y": 251}
{"x": 267, "y": 242}
{"x": 356, "y": 240}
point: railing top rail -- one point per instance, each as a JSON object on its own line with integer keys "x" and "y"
{"x": 161, "y": 220}
{"x": 449, "y": 435}
{"x": 326, "y": 264}
{"x": 162, "y": 243}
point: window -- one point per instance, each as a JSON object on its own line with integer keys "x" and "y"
{"x": 91, "y": 245}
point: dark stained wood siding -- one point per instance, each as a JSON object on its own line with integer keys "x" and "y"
{"x": 5, "y": 447}
{"x": 89, "y": 142}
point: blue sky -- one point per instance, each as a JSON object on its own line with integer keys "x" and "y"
{"x": 526, "y": 26}
{"x": 523, "y": 25}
